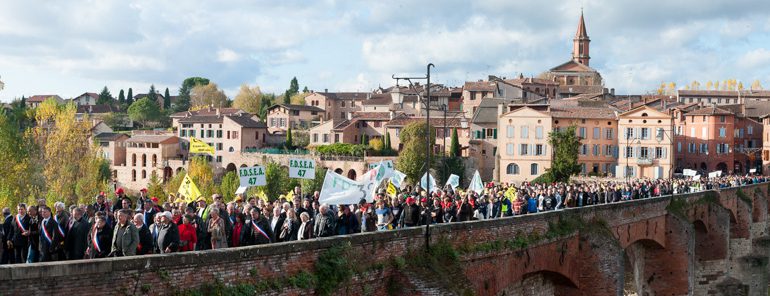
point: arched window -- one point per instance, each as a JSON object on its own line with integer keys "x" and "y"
{"x": 533, "y": 169}
{"x": 133, "y": 175}
{"x": 144, "y": 160}
{"x": 513, "y": 169}
{"x": 133, "y": 159}
{"x": 144, "y": 174}
{"x": 154, "y": 160}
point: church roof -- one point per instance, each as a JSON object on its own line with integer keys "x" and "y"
{"x": 572, "y": 66}
{"x": 581, "y": 30}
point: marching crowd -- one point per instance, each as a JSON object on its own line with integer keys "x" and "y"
{"x": 125, "y": 226}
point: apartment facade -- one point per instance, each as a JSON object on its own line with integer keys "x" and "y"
{"x": 524, "y": 152}
{"x": 230, "y": 135}
{"x": 646, "y": 144}
{"x": 766, "y": 143}
{"x": 281, "y": 117}
{"x": 337, "y": 105}
{"x": 443, "y": 131}
{"x": 596, "y": 126}
{"x": 146, "y": 155}
{"x": 367, "y": 125}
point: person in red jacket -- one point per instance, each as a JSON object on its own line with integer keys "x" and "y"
{"x": 187, "y": 235}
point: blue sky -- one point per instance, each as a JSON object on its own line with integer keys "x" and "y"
{"x": 70, "y": 47}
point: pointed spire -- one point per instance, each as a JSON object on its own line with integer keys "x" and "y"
{"x": 581, "y": 29}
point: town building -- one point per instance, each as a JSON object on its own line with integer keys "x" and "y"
{"x": 722, "y": 97}
{"x": 596, "y": 125}
{"x": 86, "y": 99}
{"x": 208, "y": 111}
{"x": 94, "y": 111}
{"x": 112, "y": 146}
{"x": 36, "y": 100}
{"x": 366, "y": 125}
{"x": 281, "y": 117}
{"x": 337, "y": 105}
{"x": 443, "y": 131}
{"x": 229, "y": 135}
{"x": 482, "y": 149}
{"x": 765, "y": 143}
{"x": 146, "y": 154}
{"x": 646, "y": 144}
{"x": 523, "y": 142}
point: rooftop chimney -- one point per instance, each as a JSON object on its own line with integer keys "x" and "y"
{"x": 326, "y": 90}
{"x": 219, "y": 112}
{"x": 500, "y": 109}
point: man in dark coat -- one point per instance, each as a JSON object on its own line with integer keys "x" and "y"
{"x": 145, "y": 245}
{"x": 411, "y": 215}
{"x": 50, "y": 239}
{"x": 324, "y": 222}
{"x": 19, "y": 236}
{"x": 76, "y": 241}
{"x": 7, "y": 255}
{"x": 168, "y": 235}
{"x": 100, "y": 238}
{"x": 256, "y": 230}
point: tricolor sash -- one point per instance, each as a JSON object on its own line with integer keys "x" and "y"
{"x": 58, "y": 226}
{"x": 95, "y": 240}
{"x": 18, "y": 222}
{"x": 257, "y": 228}
{"x": 47, "y": 235}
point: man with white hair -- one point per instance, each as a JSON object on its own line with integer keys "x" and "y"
{"x": 324, "y": 222}
{"x": 168, "y": 235}
{"x": 145, "y": 245}
{"x": 62, "y": 220}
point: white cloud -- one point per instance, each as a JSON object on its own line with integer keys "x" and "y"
{"x": 757, "y": 58}
{"x": 227, "y": 56}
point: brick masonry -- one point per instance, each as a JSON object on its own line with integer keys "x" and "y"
{"x": 715, "y": 248}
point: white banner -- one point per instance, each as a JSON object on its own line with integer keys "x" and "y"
{"x": 454, "y": 181}
{"x": 476, "y": 184}
{"x": 397, "y": 178}
{"x": 696, "y": 178}
{"x": 301, "y": 168}
{"x": 252, "y": 176}
{"x": 388, "y": 164}
{"x": 752, "y": 171}
{"x": 428, "y": 180}
{"x": 715, "y": 174}
{"x": 339, "y": 190}
{"x": 689, "y": 172}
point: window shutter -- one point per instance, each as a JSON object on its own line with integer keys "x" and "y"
{"x": 483, "y": 133}
{"x": 636, "y": 152}
{"x": 494, "y": 136}
{"x": 665, "y": 151}
{"x": 545, "y": 149}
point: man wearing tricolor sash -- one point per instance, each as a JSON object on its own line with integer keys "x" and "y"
{"x": 19, "y": 236}
{"x": 62, "y": 217}
{"x": 256, "y": 231}
{"x": 99, "y": 239}
{"x": 50, "y": 238}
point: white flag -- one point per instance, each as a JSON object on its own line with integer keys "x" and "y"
{"x": 424, "y": 182}
{"x": 454, "y": 181}
{"x": 397, "y": 178}
{"x": 339, "y": 190}
{"x": 476, "y": 184}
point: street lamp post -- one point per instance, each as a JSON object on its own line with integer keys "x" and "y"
{"x": 427, "y": 137}
{"x": 444, "y": 132}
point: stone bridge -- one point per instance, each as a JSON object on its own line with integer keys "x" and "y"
{"x": 706, "y": 243}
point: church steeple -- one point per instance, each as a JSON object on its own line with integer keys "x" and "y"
{"x": 580, "y": 43}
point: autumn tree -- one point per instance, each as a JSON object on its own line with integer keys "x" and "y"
{"x": 183, "y": 103}
{"x": 298, "y": 98}
{"x": 756, "y": 85}
{"x": 20, "y": 178}
{"x": 229, "y": 185}
{"x": 203, "y": 176}
{"x": 207, "y": 95}
{"x": 248, "y": 99}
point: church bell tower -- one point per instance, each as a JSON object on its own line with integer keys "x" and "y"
{"x": 580, "y": 43}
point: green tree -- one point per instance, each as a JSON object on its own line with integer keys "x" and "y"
{"x": 289, "y": 140}
{"x": 167, "y": 100}
{"x": 153, "y": 94}
{"x": 155, "y": 188}
{"x": 312, "y": 185}
{"x": 183, "y": 103}
{"x": 412, "y": 159}
{"x": 454, "y": 146}
{"x": 105, "y": 97}
{"x": 565, "y": 154}
{"x": 305, "y": 90}
{"x": 277, "y": 180}
{"x": 144, "y": 111}
{"x": 387, "y": 141}
{"x": 229, "y": 185}
{"x": 172, "y": 185}
{"x": 265, "y": 101}
{"x": 363, "y": 139}
{"x": 130, "y": 97}
{"x": 203, "y": 176}
{"x": 294, "y": 86}
{"x": 248, "y": 99}
{"x": 121, "y": 98}
{"x": 20, "y": 177}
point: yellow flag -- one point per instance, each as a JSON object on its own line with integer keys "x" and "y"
{"x": 290, "y": 195}
{"x": 510, "y": 193}
{"x": 188, "y": 189}
{"x": 392, "y": 189}
{"x": 198, "y": 146}
{"x": 261, "y": 194}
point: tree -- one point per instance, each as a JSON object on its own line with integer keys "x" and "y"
{"x": 312, "y": 185}
{"x": 248, "y": 99}
{"x": 130, "y": 97}
{"x": 387, "y": 141}
{"x": 105, "y": 97}
{"x": 454, "y": 146}
{"x": 364, "y": 139}
{"x": 203, "y": 176}
{"x": 152, "y": 94}
{"x": 756, "y": 85}
{"x": 412, "y": 158}
{"x": 167, "y": 100}
{"x": 294, "y": 86}
{"x": 709, "y": 85}
{"x": 229, "y": 185}
{"x": 20, "y": 177}
{"x": 305, "y": 90}
{"x": 172, "y": 186}
{"x": 376, "y": 144}
{"x": 183, "y": 103}
{"x": 144, "y": 111}
{"x": 265, "y": 101}
{"x": 276, "y": 180}
{"x": 298, "y": 99}
{"x": 565, "y": 146}
{"x": 207, "y": 95}
{"x": 289, "y": 141}
{"x": 154, "y": 187}
{"x": 121, "y": 98}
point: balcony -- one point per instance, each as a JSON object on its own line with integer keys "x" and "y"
{"x": 644, "y": 161}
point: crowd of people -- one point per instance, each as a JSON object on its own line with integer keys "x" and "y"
{"x": 125, "y": 226}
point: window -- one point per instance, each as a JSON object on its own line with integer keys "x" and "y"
{"x": 659, "y": 152}
{"x": 315, "y": 138}
{"x": 597, "y": 133}
{"x": 692, "y": 132}
{"x": 203, "y": 134}
{"x": 704, "y": 148}
{"x": 705, "y": 132}
{"x": 509, "y": 131}
{"x": 209, "y": 133}
{"x": 219, "y": 158}
{"x": 512, "y": 169}
{"x": 645, "y": 133}
{"x": 533, "y": 169}
{"x": 679, "y": 147}
{"x": 352, "y": 103}
{"x": 272, "y": 122}
{"x": 490, "y": 133}
{"x": 608, "y": 131}
{"x": 629, "y": 133}
{"x": 231, "y": 149}
{"x": 342, "y": 114}
{"x": 342, "y": 104}
{"x": 133, "y": 175}
{"x": 629, "y": 152}
{"x": 607, "y": 150}
{"x": 750, "y": 130}
{"x": 538, "y": 132}
{"x": 235, "y": 135}
{"x": 582, "y": 133}
{"x": 398, "y": 132}
{"x": 722, "y": 132}
{"x": 644, "y": 152}
{"x": 524, "y": 149}
{"x": 659, "y": 134}
{"x": 509, "y": 149}
{"x": 691, "y": 148}
{"x": 337, "y": 138}
{"x": 722, "y": 118}
{"x": 597, "y": 150}
{"x": 144, "y": 174}
{"x": 539, "y": 149}
{"x": 524, "y": 132}
{"x": 583, "y": 149}
{"x": 219, "y": 134}
{"x": 326, "y": 138}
